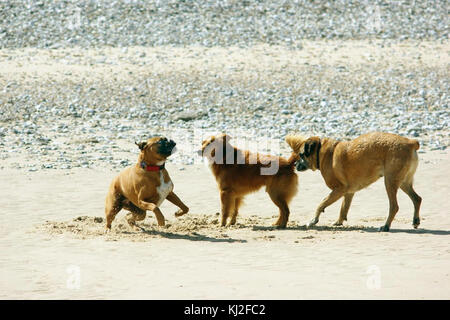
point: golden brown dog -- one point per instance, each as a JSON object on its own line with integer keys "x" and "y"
{"x": 239, "y": 172}
{"x": 349, "y": 166}
{"x": 144, "y": 186}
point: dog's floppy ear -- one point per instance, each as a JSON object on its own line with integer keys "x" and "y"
{"x": 141, "y": 145}
{"x": 295, "y": 141}
{"x": 311, "y": 145}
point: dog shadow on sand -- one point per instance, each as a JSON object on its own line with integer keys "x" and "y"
{"x": 353, "y": 228}
{"x": 193, "y": 236}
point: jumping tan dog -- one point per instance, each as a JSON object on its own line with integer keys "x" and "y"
{"x": 349, "y": 166}
{"x": 239, "y": 172}
{"x": 144, "y": 186}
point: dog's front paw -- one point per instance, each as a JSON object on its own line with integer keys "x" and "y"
{"x": 313, "y": 222}
{"x": 279, "y": 225}
{"x": 338, "y": 223}
{"x": 135, "y": 227}
{"x": 162, "y": 223}
{"x": 232, "y": 221}
{"x": 180, "y": 212}
{"x": 416, "y": 222}
{"x": 384, "y": 228}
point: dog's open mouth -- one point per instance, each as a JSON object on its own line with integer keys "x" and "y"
{"x": 166, "y": 147}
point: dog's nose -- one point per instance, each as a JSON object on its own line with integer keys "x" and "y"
{"x": 172, "y": 143}
{"x": 301, "y": 165}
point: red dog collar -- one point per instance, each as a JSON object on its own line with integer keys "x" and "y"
{"x": 151, "y": 168}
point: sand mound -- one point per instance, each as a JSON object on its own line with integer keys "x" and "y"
{"x": 190, "y": 227}
{"x": 85, "y": 227}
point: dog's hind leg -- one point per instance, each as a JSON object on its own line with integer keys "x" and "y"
{"x": 113, "y": 205}
{"x": 334, "y": 196}
{"x": 416, "y": 199}
{"x": 227, "y": 199}
{"x": 282, "y": 204}
{"x": 407, "y": 187}
{"x": 348, "y": 197}
{"x": 136, "y": 214}
{"x": 237, "y": 204}
{"x": 281, "y": 190}
{"x": 391, "y": 189}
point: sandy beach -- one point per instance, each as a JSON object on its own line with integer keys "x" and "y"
{"x": 49, "y": 235}
{"x": 81, "y": 81}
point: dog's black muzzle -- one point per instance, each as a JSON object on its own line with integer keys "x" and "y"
{"x": 301, "y": 164}
{"x": 166, "y": 146}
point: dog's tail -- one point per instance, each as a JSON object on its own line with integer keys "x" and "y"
{"x": 295, "y": 142}
{"x": 291, "y": 161}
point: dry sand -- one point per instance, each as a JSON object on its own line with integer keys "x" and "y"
{"x": 242, "y": 65}
{"x": 51, "y": 226}
{"x": 49, "y": 232}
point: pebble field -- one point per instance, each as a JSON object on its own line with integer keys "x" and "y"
{"x": 81, "y": 81}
